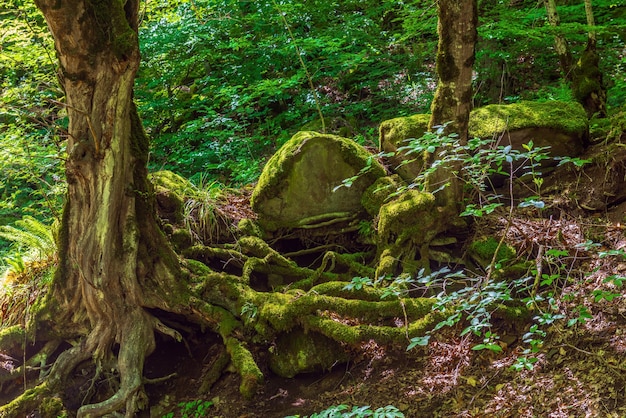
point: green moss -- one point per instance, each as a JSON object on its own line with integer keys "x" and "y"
{"x": 298, "y": 352}
{"x": 483, "y": 250}
{"x": 378, "y": 193}
{"x": 410, "y": 214}
{"x": 397, "y": 130}
{"x": 250, "y": 228}
{"x": 28, "y": 401}
{"x": 197, "y": 268}
{"x": 52, "y": 408}
{"x": 565, "y": 116}
{"x": 12, "y": 336}
{"x": 298, "y": 182}
{"x": 171, "y": 181}
{"x": 381, "y": 334}
{"x": 244, "y": 363}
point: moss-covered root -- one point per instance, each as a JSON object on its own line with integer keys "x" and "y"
{"x": 224, "y": 323}
{"x": 381, "y": 334}
{"x": 242, "y": 361}
{"x": 38, "y": 399}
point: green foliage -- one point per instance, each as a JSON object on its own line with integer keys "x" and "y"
{"x": 32, "y": 241}
{"x": 31, "y": 121}
{"x": 192, "y": 409}
{"x": 221, "y": 82}
{"x": 344, "y": 411}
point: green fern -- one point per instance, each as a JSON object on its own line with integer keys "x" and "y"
{"x": 33, "y": 239}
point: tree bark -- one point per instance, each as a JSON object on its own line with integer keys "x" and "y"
{"x": 560, "y": 44}
{"x": 452, "y": 104}
{"x": 114, "y": 261}
{"x": 587, "y": 84}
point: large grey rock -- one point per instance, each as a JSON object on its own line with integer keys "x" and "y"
{"x": 298, "y": 185}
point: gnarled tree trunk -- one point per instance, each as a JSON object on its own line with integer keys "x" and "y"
{"x": 114, "y": 260}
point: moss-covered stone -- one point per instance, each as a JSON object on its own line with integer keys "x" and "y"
{"x": 406, "y": 214}
{"x": 562, "y": 126}
{"x": 405, "y": 228}
{"x": 298, "y": 184}
{"x": 567, "y": 117}
{"x": 378, "y": 193}
{"x": 170, "y": 189}
{"x": 171, "y": 181}
{"x": 393, "y": 133}
{"x": 298, "y": 352}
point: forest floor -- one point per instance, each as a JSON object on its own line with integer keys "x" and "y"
{"x": 580, "y": 369}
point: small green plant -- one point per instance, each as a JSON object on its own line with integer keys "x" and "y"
{"x": 249, "y": 311}
{"x": 32, "y": 241}
{"x": 358, "y": 283}
{"x": 202, "y": 215}
{"x": 192, "y": 409}
{"x": 583, "y": 316}
{"x": 31, "y": 236}
{"x": 344, "y": 411}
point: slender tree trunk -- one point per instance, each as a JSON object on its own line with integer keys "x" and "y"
{"x": 114, "y": 260}
{"x": 453, "y": 98}
{"x": 587, "y": 83}
{"x": 560, "y": 44}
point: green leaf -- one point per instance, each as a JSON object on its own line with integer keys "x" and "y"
{"x": 421, "y": 341}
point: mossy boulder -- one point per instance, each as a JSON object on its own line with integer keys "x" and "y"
{"x": 392, "y": 135}
{"x": 170, "y": 189}
{"x": 299, "y": 185}
{"x": 298, "y": 352}
{"x": 406, "y": 226}
{"x": 562, "y": 126}
{"x": 379, "y": 193}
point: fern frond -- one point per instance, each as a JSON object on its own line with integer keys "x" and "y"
{"x": 30, "y": 236}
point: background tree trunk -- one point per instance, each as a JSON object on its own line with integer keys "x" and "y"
{"x": 560, "y": 44}
{"x": 587, "y": 84}
{"x": 114, "y": 260}
{"x": 453, "y": 98}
